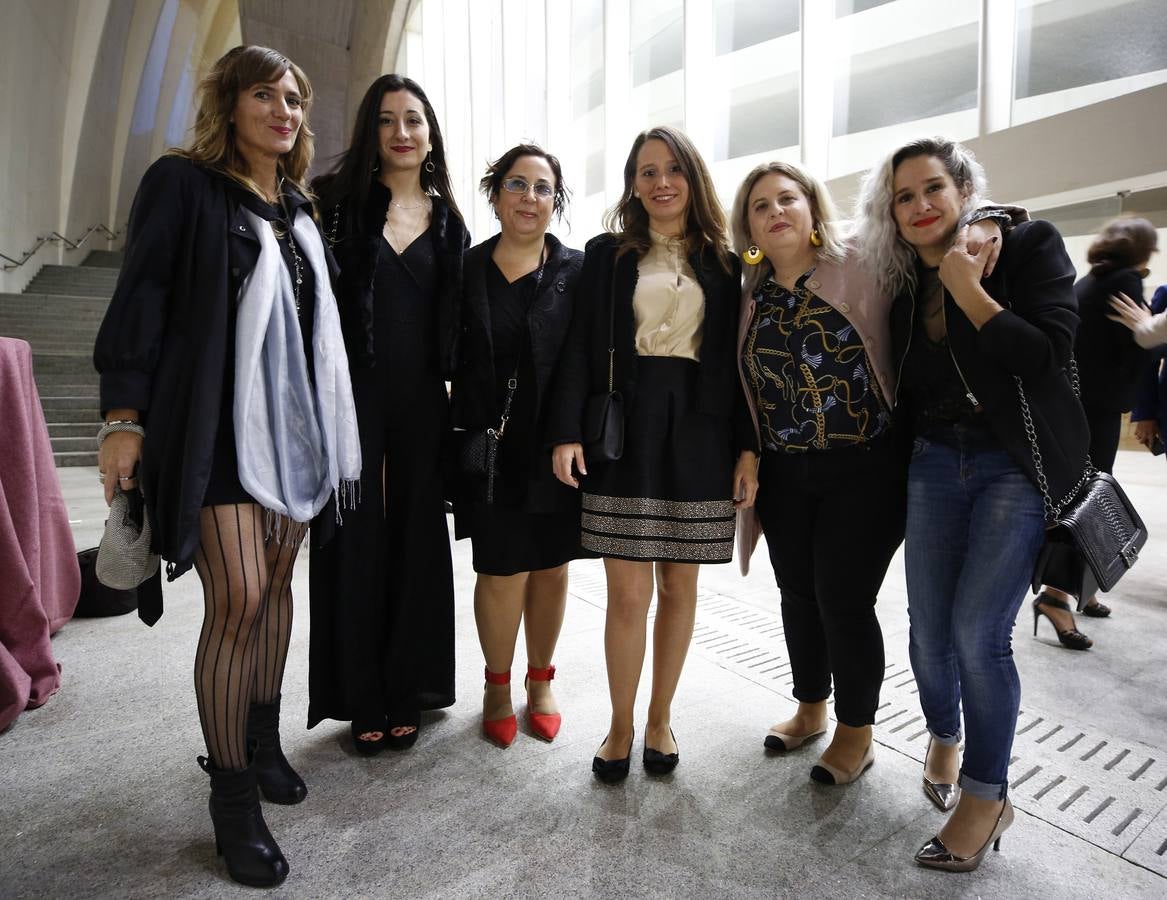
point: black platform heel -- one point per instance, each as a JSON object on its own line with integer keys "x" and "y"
{"x": 241, "y": 836}
{"x": 1071, "y": 638}
{"x": 278, "y": 781}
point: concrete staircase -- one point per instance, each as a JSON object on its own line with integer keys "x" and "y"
{"x": 59, "y": 314}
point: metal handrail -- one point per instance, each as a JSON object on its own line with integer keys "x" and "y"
{"x": 56, "y": 238}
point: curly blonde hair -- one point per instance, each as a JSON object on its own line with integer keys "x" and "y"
{"x": 890, "y": 258}
{"x": 214, "y": 135}
{"x": 822, "y": 209}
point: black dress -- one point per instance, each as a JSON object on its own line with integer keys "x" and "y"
{"x": 533, "y": 523}
{"x": 382, "y": 588}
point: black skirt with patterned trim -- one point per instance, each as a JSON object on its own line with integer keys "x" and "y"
{"x": 669, "y": 498}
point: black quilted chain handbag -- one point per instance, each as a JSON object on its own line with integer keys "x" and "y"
{"x": 1093, "y": 535}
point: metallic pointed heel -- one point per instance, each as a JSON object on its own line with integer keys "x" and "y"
{"x": 934, "y": 855}
{"x": 944, "y": 796}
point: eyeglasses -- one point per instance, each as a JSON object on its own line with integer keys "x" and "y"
{"x": 517, "y": 185}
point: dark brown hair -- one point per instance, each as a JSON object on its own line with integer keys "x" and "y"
{"x": 705, "y": 224}
{"x": 353, "y": 176}
{"x": 1123, "y": 243}
{"x": 491, "y": 183}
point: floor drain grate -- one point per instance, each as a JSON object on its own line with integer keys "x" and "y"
{"x": 1099, "y": 788}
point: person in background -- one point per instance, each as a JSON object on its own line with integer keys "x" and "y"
{"x": 1110, "y": 366}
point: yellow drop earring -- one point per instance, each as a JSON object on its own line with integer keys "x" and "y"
{"x": 816, "y": 239}
{"x": 753, "y": 255}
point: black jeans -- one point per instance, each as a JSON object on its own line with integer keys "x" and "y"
{"x": 833, "y": 520}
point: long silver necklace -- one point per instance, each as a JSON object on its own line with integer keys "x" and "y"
{"x": 297, "y": 261}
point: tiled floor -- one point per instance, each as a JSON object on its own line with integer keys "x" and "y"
{"x": 100, "y": 795}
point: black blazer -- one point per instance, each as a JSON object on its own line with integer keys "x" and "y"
{"x": 356, "y": 248}
{"x": 473, "y": 404}
{"x": 1032, "y": 339}
{"x": 162, "y": 346}
{"x": 473, "y": 401}
{"x": 1110, "y": 363}
{"x": 584, "y": 367}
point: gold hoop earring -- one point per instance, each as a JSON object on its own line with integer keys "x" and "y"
{"x": 753, "y": 255}
{"x": 816, "y": 239}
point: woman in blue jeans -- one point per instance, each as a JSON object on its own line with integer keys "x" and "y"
{"x": 967, "y": 346}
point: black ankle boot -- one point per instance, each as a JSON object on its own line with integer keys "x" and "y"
{"x": 241, "y": 837}
{"x": 277, "y": 779}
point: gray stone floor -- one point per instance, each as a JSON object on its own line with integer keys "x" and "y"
{"x": 100, "y": 795}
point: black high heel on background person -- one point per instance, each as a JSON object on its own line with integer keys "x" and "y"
{"x": 657, "y": 763}
{"x": 278, "y": 781}
{"x": 412, "y": 720}
{"x": 241, "y": 836}
{"x": 1095, "y": 610}
{"x": 1071, "y": 638}
{"x": 611, "y": 771}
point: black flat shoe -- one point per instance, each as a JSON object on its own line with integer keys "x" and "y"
{"x": 1071, "y": 638}
{"x": 611, "y": 771}
{"x": 370, "y": 747}
{"x": 657, "y": 763}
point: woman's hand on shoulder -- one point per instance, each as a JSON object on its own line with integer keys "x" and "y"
{"x": 1127, "y": 312}
{"x": 961, "y": 272}
{"x": 562, "y": 458}
{"x": 745, "y": 480}
{"x": 986, "y": 231}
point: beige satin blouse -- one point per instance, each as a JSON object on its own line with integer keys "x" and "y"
{"x": 668, "y": 304}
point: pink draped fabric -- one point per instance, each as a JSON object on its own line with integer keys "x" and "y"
{"x": 39, "y": 577}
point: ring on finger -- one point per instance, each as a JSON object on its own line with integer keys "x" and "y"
{"x": 125, "y": 478}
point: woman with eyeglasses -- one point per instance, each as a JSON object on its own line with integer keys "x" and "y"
{"x": 382, "y": 592}
{"x": 523, "y": 525}
{"x": 655, "y": 320}
{"x": 983, "y": 381}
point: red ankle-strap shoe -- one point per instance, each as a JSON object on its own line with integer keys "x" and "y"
{"x": 545, "y": 725}
{"x": 501, "y": 731}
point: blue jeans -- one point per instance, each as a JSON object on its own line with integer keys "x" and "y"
{"x": 975, "y": 526}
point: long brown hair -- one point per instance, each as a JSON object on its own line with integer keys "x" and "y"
{"x": 353, "y": 175}
{"x": 214, "y": 135}
{"x": 704, "y": 220}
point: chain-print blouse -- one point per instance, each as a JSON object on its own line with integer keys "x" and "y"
{"x": 809, "y": 373}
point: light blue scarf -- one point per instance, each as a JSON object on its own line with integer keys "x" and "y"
{"x": 296, "y": 446}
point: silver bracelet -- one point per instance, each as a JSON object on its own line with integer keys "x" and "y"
{"x": 119, "y": 425}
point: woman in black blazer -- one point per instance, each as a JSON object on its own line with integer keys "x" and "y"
{"x": 982, "y": 364}
{"x": 665, "y": 282}
{"x": 224, "y": 258}
{"x": 519, "y": 287}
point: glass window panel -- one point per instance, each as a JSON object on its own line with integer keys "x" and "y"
{"x": 587, "y": 55}
{"x": 657, "y": 38}
{"x": 1065, "y": 44}
{"x": 909, "y": 81}
{"x": 762, "y": 118}
{"x": 850, "y": 7}
{"x": 744, "y": 23}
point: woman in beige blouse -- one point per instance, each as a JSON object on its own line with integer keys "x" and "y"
{"x": 656, "y": 316}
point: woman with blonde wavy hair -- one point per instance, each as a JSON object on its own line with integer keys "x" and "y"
{"x": 815, "y": 362}
{"x": 999, "y": 444}
{"x": 225, "y": 390}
